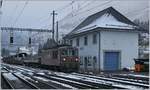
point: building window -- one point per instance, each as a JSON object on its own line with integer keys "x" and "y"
{"x": 94, "y": 38}
{"x": 94, "y": 59}
{"x": 77, "y": 41}
{"x": 55, "y": 53}
{"x": 89, "y": 61}
{"x": 71, "y": 42}
{"x": 86, "y": 40}
{"x": 81, "y": 60}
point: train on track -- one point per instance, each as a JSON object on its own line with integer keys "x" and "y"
{"x": 60, "y": 57}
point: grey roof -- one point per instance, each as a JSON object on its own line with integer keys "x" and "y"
{"x": 95, "y": 16}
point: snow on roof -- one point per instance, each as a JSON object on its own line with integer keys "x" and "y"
{"x": 27, "y": 50}
{"x": 24, "y": 49}
{"x": 106, "y": 21}
{"x": 108, "y": 18}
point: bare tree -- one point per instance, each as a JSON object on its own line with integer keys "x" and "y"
{"x": 143, "y": 38}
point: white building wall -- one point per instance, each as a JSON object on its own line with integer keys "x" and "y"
{"x": 126, "y": 42}
{"x": 89, "y": 50}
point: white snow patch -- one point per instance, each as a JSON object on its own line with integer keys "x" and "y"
{"x": 69, "y": 80}
{"x": 41, "y": 73}
{"x": 41, "y": 78}
{"x": 10, "y": 76}
{"x": 142, "y": 76}
{"x": 65, "y": 85}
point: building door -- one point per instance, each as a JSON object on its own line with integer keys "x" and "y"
{"x": 94, "y": 63}
{"x": 111, "y": 61}
{"x": 85, "y": 63}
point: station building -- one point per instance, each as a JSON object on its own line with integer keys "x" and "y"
{"x": 106, "y": 40}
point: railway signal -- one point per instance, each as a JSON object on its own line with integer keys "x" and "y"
{"x": 11, "y": 40}
{"x": 29, "y": 40}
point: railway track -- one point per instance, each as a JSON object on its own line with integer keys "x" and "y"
{"x": 5, "y": 84}
{"x": 117, "y": 80}
{"x": 130, "y": 80}
{"x": 16, "y": 83}
{"x": 128, "y": 77}
{"x": 41, "y": 83}
{"x": 75, "y": 83}
{"x": 37, "y": 82}
{"x": 62, "y": 80}
{"x": 55, "y": 80}
{"x": 69, "y": 82}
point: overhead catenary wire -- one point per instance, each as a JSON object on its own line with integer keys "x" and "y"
{"x": 19, "y": 15}
{"x": 86, "y": 10}
{"x": 66, "y": 6}
{"x": 12, "y": 13}
{"x": 92, "y": 9}
{"x": 62, "y": 8}
{"x": 41, "y": 19}
{"x": 87, "y": 5}
{"x": 100, "y": 5}
{"x": 138, "y": 15}
{"x": 59, "y": 9}
{"x": 139, "y": 11}
{"x": 79, "y": 13}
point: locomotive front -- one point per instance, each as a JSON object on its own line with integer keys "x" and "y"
{"x": 69, "y": 58}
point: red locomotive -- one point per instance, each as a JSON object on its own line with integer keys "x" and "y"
{"x": 62, "y": 57}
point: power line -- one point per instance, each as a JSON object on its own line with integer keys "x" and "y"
{"x": 62, "y": 8}
{"x": 94, "y": 7}
{"x": 59, "y": 9}
{"x": 44, "y": 26}
{"x": 85, "y": 5}
{"x": 138, "y": 15}
{"x": 13, "y": 12}
{"x": 141, "y": 10}
{"x": 42, "y": 21}
{"x": 88, "y": 10}
{"x": 21, "y": 12}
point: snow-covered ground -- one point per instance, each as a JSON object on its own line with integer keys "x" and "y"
{"x": 82, "y": 77}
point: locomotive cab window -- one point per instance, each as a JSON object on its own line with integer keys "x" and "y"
{"x": 64, "y": 52}
{"x": 73, "y": 52}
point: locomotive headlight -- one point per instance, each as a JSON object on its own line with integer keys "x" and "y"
{"x": 64, "y": 59}
{"x": 76, "y": 59}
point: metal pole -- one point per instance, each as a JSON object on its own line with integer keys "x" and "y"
{"x": 57, "y": 32}
{"x": 53, "y": 24}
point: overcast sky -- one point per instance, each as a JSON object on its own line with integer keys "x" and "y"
{"x": 37, "y": 13}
